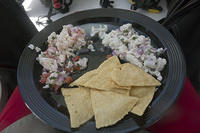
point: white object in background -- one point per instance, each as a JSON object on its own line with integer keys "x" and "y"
{"x": 34, "y": 9}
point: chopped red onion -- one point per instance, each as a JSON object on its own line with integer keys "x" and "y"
{"x": 114, "y": 53}
{"x": 142, "y": 46}
{"x": 154, "y": 49}
{"x": 122, "y": 55}
{"x": 44, "y": 70}
{"x": 52, "y": 49}
{"x": 140, "y": 51}
{"x": 61, "y": 77}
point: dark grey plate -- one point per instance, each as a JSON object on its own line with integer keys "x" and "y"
{"x": 50, "y": 108}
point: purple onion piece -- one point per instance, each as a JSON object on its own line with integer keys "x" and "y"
{"x": 154, "y": 49}
{"x": 44, "y": 70}
{"x": 114, "y": 53}
{"x": 122, "y": 54}
{"x": 140, "y": 51}
{"x": 61, "y": 77}
{"x": 74, "y": 30}
{"x": 142, "y": 46}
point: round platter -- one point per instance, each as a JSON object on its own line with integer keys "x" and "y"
{"x": 50, "y": 108}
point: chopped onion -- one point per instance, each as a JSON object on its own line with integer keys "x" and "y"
{"x": 140, "y": 51}
{"x": 114, "y": 53}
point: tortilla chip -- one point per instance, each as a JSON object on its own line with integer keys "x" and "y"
{"x": 110, "y": 62}
{"x": 102, "y": 75}
{"x": 102, "y": 80}
{"x": 131, "y": 75}
{"x": 121, "y": 91}
{"x": 84, "y": 78}
{"x": 79, "y": 105}
{"x": 145, "y": 95}
{"x": 110, "y": 107}
{"x": 122, "y": 87}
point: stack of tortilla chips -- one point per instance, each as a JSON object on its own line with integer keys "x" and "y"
{"x": 109, "y": 93}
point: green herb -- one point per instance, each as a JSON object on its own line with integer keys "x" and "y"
{"x": 125, "y": 31}
{"x": 51, "y": 78}
{"x": 122, "y": 39}
{"x": 70, "y": 58}
{"x": 43, "y": 55}
{"x": 134, "y": 38}
{"x": 53, "y": 37}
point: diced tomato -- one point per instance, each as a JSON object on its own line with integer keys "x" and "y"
{"x": 68, "y": 69}
{"x": 48, "y": 55}
{"x": 43, "y": 80}
{"x": 56, "y": 87}
{"x": 46, "y": 75}
{"x": 76, "y": 68}
{"x": 68, "y": 79}
{"x": 76, "y": 58}
{"x": 47, "y": 52}
{"x": 108, "y": 56}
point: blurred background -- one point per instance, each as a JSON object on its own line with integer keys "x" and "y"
{"x": 40, "y": 8}
{"x": 22, "y": 19}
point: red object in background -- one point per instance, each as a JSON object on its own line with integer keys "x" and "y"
{"x": 57, "y": 5}
{"x": 14, "y": 110}
{"x": 183, "y": 117}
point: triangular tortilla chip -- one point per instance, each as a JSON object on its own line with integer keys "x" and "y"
{"x": 79, "y": 105}
{"x": 84, "y": 78}
{"x": 145, "y": 95}
{"x": 131, "y": 75}
{"x": 110, "y": 62}
{"x": 121, "y": 91}
{"x": 101, "y": 74}
{"x": 121, "y": 87}
{"x": 102, "y": 81}
{"x": 110, "y": 107}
